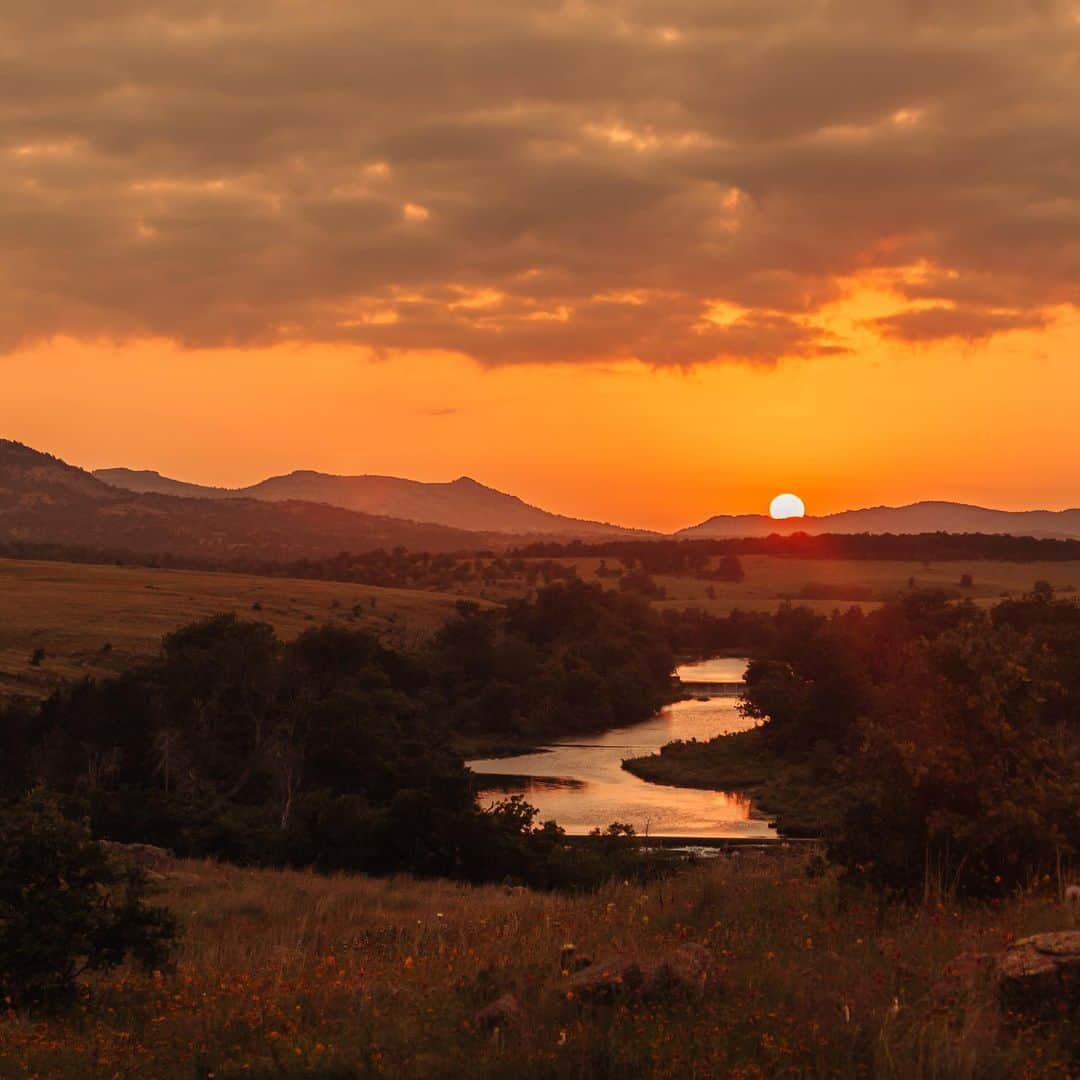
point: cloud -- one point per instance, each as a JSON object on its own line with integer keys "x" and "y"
{"x": 965, "y": 324}
{"x": 538, "y": 181}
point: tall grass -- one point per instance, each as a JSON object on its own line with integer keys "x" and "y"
{"x": 286, "y": 974}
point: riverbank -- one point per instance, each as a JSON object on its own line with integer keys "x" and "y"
{"x": 799, "y": 795}
{"x": 581, "y": 782}
{"x": 290, "y": 974}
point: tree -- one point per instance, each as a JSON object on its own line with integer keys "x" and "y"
{"x": 66, "y": 908}
{"x": 968, "y": 777}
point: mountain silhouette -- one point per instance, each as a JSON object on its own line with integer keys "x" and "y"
{"x": 462, "y": 503}
{"x": 919, "y": 517}
{"x": 46, "y": 500}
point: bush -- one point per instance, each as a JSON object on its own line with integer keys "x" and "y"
{"x": 65, "y": 908}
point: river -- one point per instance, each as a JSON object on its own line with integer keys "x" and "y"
{"x": 580, "y": 782}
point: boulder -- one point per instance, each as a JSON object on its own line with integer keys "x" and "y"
{"x": 145, "y": 856}
{"x": 607, "y": 980}
{"x": 501, "y": 1013}
{"x": 684, "y": 969}
{"x": 571, "y": 961}
{"x": 1042, "y": 972}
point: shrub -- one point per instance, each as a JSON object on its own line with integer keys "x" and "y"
{"x": 65, "y": 908}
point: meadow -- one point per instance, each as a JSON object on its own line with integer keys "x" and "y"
{"x": 290, "y": 974}
{"x": 98, "y": 620}
{"x": 825, "y": 584}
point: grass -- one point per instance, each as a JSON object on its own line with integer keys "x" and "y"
{"x": 771, "y": 579}
{"x": 287, "y": 974}
{"x": 96, "y": 620}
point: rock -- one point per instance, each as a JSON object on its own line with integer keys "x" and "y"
{"x": 607, "y": 980}
{"x": 1041, "y": 972}
{"x": 684, "y": 969}
{"x": 501, "y": 1013}
{"x": 571, "y": 961}
{"x": 146, "y": 856}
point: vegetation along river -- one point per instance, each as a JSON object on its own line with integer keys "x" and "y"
{"x": 581, "y": 784}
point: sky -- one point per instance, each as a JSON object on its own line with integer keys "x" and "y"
{"x": 630, "y": 260}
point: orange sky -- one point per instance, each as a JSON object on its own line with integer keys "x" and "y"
{"x": 640, "y": 260}
{"x": 994, "y": 424}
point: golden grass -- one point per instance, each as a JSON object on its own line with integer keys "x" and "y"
{"x": 292, "y": 974}
{"x": 73, "y": 611}
{"x": 770, "y": 580}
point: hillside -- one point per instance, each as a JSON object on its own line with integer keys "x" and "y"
{"x": 463, "y": 503}
{"x": 44, "y": 499}
{"x": 98, "y": 620}
{"x": 920, "y": 517}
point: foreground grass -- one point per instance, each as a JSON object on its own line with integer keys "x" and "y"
{"x": 291, "y": 974}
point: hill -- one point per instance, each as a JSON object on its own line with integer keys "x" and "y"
{"x": 99, "y": 620}
{"x": 44, "y": 499}
{"x": 920, "y": 517}
{"x": 462, "y": 503}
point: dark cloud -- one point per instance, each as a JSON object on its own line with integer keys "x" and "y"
{"x": 678, "y": 180}
{"x": 962, "y": 323}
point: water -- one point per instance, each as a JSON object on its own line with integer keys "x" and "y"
{"x": 580, "y": 783}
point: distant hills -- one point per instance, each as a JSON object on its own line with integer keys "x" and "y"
{"x": 315, "y": 515}
{"x": 920, "y": 517}
{"x": 460, "y": 504}
{"x": 45, "y": 500}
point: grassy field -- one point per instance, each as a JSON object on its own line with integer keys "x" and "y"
{"x": 98, "y": 619}
{"x": 770, "y": 580}
{"x": 93, "y": 620}
{"x": 285, "y": 974}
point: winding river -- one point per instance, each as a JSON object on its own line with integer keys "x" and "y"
{"x": 580, "y": 782}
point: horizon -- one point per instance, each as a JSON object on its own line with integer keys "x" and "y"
{"x": 807, "y": 512}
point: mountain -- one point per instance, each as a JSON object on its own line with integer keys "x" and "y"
{"x": 920, "y": 517}
{"x": 461, "y": 503}
{"x": 45, "y": 500}
{"x": 148, "y": 482}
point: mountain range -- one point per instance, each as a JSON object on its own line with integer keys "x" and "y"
{"x": 461, "y": 503}
{"x": 919, "y": 517}
{"x": 44, "y": 500}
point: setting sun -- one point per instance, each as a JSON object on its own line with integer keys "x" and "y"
{"x": 786, "y": 506}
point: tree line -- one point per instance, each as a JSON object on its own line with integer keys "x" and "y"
{"x": 690, "y": 556}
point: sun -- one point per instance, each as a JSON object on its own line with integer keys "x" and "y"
{"x": 786, "y": 506}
